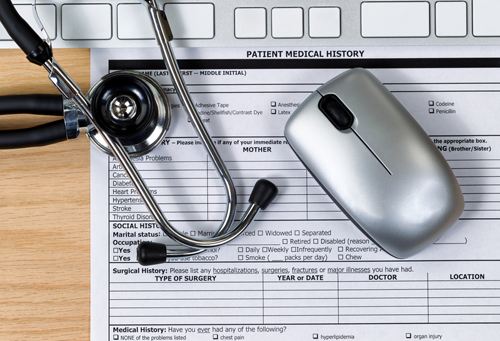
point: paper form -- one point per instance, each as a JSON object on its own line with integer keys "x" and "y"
{"x": 302, "y": 271}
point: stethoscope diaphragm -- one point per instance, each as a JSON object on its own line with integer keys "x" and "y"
{"x": 133, "y": 108}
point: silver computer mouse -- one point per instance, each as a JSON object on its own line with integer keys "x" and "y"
{"x": 376, "y": 162}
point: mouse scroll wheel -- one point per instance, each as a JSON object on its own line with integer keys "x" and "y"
{"x": 336, "y": 112}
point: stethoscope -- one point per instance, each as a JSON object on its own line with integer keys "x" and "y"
{"x": 126, "y": 114}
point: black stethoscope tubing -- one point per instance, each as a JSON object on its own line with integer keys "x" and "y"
{"x": 44, "y": 134}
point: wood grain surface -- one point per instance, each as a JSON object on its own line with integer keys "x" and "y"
{"x": 44, "y": 217}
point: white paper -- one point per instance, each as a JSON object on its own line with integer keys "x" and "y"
{"x": 302, "y": 271}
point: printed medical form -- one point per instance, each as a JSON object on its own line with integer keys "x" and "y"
{"x": 302, "y": 271}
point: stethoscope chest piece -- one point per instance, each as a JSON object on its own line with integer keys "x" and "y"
{"x": 131, "y": 107}
{"x": 126, "y": 114}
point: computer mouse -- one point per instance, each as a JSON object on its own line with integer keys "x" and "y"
{"x": 376, "y": 162}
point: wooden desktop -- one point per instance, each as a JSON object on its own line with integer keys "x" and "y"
{"x": 44, "y": 216}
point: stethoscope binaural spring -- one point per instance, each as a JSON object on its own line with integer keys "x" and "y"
{"x": 128, "y": 114}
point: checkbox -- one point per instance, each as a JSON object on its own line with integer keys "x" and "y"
{"x": 315, "y": 241}
{"x": 297, "y": 232}
{"x": 341, "y": 257}
{"x": 215, "y": 336}
{"x": 240, "y": 257}
{"x": 115, "y": 259}
{"x": 260, "y": 233}
{"x": 431, "y": 103}
{"x": 115, "y": 250}
{"x": 408, "y": 335}
{"x": 284, "y": 241}
{"x": 273, "y": 111}
{"x": 315, "y": 336}
{"x": 341, "y": 249}
{"x": 240, "y": 249}
{"x": 115, "y": 337}
{"x": 273, "y": 103}
{"x": 431, "y": 110}
{"x": 192, "y": 233}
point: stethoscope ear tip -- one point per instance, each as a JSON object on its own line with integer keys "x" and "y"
{"x": 263, "y": 193}
{"x": 149, "y": 253}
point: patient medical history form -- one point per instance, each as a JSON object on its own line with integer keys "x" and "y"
{"x": 302, "y": 270}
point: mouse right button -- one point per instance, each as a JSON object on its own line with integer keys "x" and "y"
{"x": 336, "y": 112}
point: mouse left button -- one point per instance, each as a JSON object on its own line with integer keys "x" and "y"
{"x": 336, "y": 112}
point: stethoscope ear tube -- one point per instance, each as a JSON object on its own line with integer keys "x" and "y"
{"x": 263, "y": 193}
